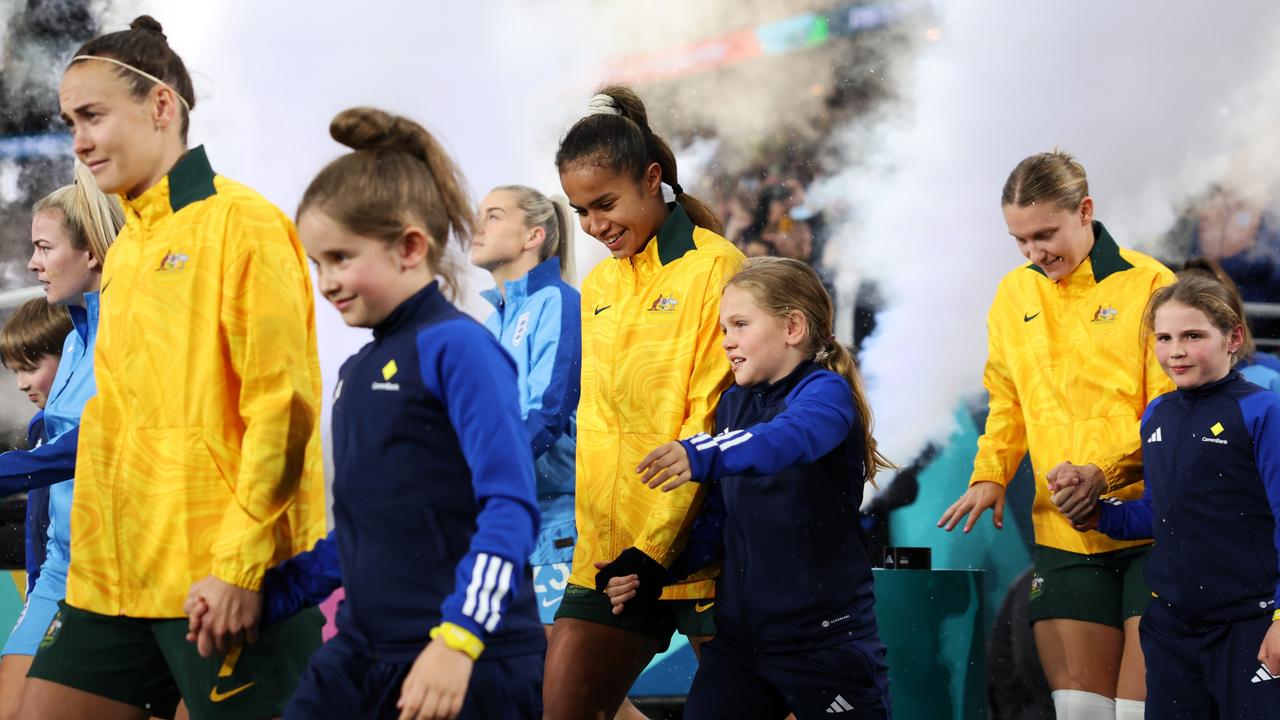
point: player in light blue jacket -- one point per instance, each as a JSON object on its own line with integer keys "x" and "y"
{"x": 524, "y": 240}
{"x": 71, "y": 230}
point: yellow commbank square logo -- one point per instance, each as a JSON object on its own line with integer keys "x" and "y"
{"x": 1217, "y": 429}
{"x": 389, "y": 370}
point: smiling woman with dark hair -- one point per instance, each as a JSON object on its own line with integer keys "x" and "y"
{"x": 652, "y": 370}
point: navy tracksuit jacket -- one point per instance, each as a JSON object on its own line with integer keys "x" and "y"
{"x": 434, "y": 504}
{"x": 1211, "y": 460}
{"x": 788, "y": 470}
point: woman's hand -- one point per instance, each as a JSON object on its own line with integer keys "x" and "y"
{"x": 1076, "y": 489}
{"x": 976, "y": 500}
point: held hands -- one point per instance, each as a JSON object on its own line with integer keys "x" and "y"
{"x": 221, "y": 615}
{"x": 667, "y": 463}
{"x": 1269, "y": 653}
{"x": 436, "y": 684}
{"x": 977, "y": 499}
{"x": 1076, "y": 489}
{"x": 649, "y": 578}
{"x": 620, "y": 589}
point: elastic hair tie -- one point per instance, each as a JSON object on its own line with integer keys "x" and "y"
{"x": 143, "y": 73}
{"x": 602, "y": 105}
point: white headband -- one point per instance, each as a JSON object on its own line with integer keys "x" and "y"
{"x": 602, "y": 105}
{"x": 144, "y": 74}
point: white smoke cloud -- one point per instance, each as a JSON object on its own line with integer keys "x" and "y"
{"x": 270, "y": 76}
{"x": 1155, "y": 99}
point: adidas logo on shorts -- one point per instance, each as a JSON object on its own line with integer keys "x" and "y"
{"x": 1263, "y": 675}
{"x": 839, "y": 705}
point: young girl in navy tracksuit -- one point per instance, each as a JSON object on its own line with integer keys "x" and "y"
{"x": 1211, "y": 458}
{"x": 434, "y": 487}
{"x": 787, "y": 468}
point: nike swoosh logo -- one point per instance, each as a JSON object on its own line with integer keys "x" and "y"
{"x": 602, "y": 309}
{"x": 217, "y": 697}
{"x": 1029, "y": 318}
{"x": 699, "y": 607}
{"x": 549, "y": 603}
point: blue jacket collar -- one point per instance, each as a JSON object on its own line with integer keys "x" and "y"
{"x": 784, "y": 386}
{"x": 410, "y": 309}
{"x": 1212, "y": 387}
{"x": 85, "y": 319}
{"x": 544, "y": 274}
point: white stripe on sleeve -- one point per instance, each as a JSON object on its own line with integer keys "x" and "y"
{"x": 476, "y": 573}
{"x": 717, "y": 440}
{"x": 736, "y": 441}
{"x": 504, "y": 585}
{"x": 484, "y": 597}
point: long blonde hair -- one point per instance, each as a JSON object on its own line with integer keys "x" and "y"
{"x": 91, "y": 218}
{"x": 553, "y": 215}
{"x": 782, "y": 285}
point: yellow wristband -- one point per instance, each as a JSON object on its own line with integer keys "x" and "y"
{"x": 456, "y": 637}
{"x": 1275, "y": 615}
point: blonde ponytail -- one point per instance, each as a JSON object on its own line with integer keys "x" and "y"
{"x": 91, "y": 217}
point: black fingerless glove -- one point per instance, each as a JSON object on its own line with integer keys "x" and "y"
{"x": 653, "y": 576}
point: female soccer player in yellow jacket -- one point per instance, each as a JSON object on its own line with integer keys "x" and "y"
{"x": 199, "y": 459}
{"x": 652, "y": 371}
{"x": 1069, "y": 378}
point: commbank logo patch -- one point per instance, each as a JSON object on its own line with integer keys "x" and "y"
{"x": 1217, "y": 429}
{"x": 388, "y": 371}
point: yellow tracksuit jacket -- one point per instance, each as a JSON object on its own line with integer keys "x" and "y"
{"x": 1069, "y": 379}
{"x": 653, "y": 370}
{"x": 200, "y": 453}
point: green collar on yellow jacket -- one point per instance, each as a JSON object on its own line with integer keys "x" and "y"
{"x": 1104, "y": 257}
{"x": 675, "y": 237}
{"x": 191, "y": 179}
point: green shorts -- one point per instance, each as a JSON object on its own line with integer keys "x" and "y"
{"x": 692, "y": 618}
{"x": 1107, "y": 588}
{"x": 149, "y": 664}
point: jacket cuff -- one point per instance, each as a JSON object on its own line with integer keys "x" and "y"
{"x": 658, "y": 553}
{"x": 978, "y": 477}
{"x": 245, "y": 577}
{"x": 697, "y": 465}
